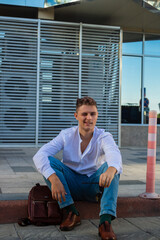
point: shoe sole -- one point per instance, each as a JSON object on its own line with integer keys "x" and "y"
{"x": 106, "y": 238}
{"x": 69, "y": 228}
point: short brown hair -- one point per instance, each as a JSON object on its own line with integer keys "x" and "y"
{"x": 85, "y": 101}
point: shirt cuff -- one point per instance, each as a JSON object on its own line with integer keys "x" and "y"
{"x": 119, "y": 169}
{"x": 48, "y": 173}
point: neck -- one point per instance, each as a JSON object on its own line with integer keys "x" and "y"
{"x": 85, "y": 135}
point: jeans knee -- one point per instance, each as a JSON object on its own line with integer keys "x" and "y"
{"x": 105, "y": 166}
{"x": 56, "y": 164}
{"x": 51, "y": 158}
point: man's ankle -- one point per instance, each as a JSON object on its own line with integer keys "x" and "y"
{"x": 72, "y": 208}
{"x": 104, "y": 218}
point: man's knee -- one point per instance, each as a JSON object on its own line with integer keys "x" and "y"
{"x": 55, "y": 163}
{"x": 105, "y": 167}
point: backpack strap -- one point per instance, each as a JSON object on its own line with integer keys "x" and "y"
{"x": 24, "y": 222}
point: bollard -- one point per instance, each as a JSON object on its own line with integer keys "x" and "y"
{"x": 151, "y": 157}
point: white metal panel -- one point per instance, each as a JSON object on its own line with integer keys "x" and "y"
{"x": 100, "y": 73}
{"x": 18, "y": 51}
{"x": 59, "y": 75}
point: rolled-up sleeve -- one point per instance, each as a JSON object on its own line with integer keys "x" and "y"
{"x": 112, "y": 152}
{"x": 41, "y": 160}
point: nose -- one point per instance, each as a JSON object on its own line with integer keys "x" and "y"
{"x": 89, "y": 116}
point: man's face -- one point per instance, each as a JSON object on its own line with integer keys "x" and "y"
{"x": 87, "y": 117}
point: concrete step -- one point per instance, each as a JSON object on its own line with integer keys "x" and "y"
{"x": 11, "y": 211}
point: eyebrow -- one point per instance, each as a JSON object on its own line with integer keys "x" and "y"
{"x": 88, "y": 112}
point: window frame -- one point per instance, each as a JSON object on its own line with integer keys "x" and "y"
{"x": 143, "y": 55}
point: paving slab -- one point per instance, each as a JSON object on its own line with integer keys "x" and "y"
{"x": 149, "y": 225}
{"x": 125, "y": 228}
{"x": 39, "y": 233}
{"x": 126, "y": 190}
{"x": 87, "y": 229}
{"x": 8, "y": 232}
{"x": 128, "y": 230}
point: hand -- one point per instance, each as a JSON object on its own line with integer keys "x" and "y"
{"x": 107, "y": 177}
{"x": 57, "y": 188}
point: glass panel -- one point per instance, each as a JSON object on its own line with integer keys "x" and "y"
{"x": 132, "y": 43}
{"x": 131, "y": 89}
{"x": 50, "y": 3}
{"x": 152, "y": 44}
{"x": 152, "y": 85}
{"x": 154, "y": 3}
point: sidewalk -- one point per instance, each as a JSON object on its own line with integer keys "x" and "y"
{"x": 18, "y": 175}
{"x": 128, "y": 229}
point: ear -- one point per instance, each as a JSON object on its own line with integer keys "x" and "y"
{"x": 75, "y": 115}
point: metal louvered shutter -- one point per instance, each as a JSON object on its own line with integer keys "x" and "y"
{"x": 44, "y": 67}
{"x": 59, "y": 74}
{"x": 100, "y": 73}
{"x": 18, "y": 76}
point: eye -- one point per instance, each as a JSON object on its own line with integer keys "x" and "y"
{"x": 84, "y": 114}
{"x": 93, "y": 113}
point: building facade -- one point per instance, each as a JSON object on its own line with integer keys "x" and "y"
{"x": 49, "y": 56}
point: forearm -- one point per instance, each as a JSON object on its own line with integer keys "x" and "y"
{"x": 41, "y": 160}
{"x": 113, "y": 169}
{"x": 52, "y": 178}
{"x": 112, "y": 153}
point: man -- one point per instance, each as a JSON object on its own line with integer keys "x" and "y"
{"x": 90, "y": 156}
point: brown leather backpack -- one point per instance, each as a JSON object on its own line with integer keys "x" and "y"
{"x": 42, "y": 209}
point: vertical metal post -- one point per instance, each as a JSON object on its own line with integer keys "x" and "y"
{"x": 120, "y": 82}
{"x": 38, "y": 73}
{"x": 142, "y": 84}
{"x": 80, "y": 59}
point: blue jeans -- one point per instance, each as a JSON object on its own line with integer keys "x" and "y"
{"x": 76, "y": 189}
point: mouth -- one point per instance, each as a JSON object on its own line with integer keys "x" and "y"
{"x": 87, "y": 123}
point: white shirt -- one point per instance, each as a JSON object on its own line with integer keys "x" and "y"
{"x": 101, "y": 148}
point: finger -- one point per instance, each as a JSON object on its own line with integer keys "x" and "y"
{"x": 101, "y": 181}
{"x": 105, "y": 181}
{"x": 63, "y": 197}
{"x": 102, "y": 184}
{"x": 108, "y": 182}
{"x": 59, "y": 197}
{"x": 56, "y": 196}
{"x": 53, "y": 196}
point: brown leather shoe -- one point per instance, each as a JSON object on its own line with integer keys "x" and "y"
{"x": 70, "y": 222}
{"x": 106, "y": 231}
